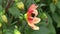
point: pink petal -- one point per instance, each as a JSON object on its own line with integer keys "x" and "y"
{"x": 33, "y": 6}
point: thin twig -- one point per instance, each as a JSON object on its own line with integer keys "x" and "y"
{"x": 8, "y": 5}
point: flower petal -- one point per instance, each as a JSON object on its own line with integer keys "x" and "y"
{"x": 35, "y": 12}
{"x": 33, "y": 6}
{"x": 33, "y": 26}
{"x": 36, "y": 20}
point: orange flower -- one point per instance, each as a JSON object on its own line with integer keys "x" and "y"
{"x": 31, "y": 17}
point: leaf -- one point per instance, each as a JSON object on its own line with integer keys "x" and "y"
{"x": 50, "y": 25}
{"x": 56, "y": 18}
{"x": 43, "y": 30}
{"x": 52, "y": 7}
{"x": 28, "y": 30}
{"x": 37, "y": 1}
{"x": 58, "y": 4}
{"x": 1, "y": 8}
{"x": 29, "y": 2}
{"x": 0, "y": 2}
{"x": 7, "y": 31}
{"x": 42, "y": 5}
{"x": 49, "y": 19}
{"x": 0, "y": 32}
{"x": 51, "y": 28}
{"x": 14, "y": 11}
{"x": 58, "y": 24}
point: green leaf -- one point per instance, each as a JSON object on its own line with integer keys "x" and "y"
{"x": 14, "y": 11}
{"x": 29, "y": 2}
{"x": 1, "y": 7}
{"x": 56, "y": 18}
{"x": 0, "y": 32}
{"x": 43, "y": 30}
{"x": 49, "y": 19}
{"x": 28, "y": 29}
{"x": 52, "y": 7}
{"x": 50, "y": 25}
{"x": 51, "y": 28}
{"x": 58, "y": 11}
{"x": 58, "y": 4}
{"x": 58, "y": 24}
{"x": 42, "y": 5}
{"x": 0, "y": 2}
{"x": 7, "y": 31}
{"x": 37, "y": 1}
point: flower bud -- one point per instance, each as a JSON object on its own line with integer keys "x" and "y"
{"x": 0, "y": 24}
{"x": 16, "y": 31}
{"x": 25, "y": 16}
{"x": 16, "y": 0}
{"x": 43, "y": 16}
{"x": 20, "y": 5}
{"x": 4, "y": 18}
{"x": 55, "y": 1}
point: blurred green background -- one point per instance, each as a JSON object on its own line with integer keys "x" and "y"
{"x": 12, "y": 20}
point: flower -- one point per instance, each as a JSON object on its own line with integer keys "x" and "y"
{"x": 31, "y": 17}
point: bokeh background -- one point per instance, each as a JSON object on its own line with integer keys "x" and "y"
{"x": 12, "y": 19}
